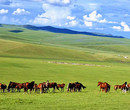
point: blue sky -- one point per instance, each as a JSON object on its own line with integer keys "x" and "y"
{"x": 104, "y": 16}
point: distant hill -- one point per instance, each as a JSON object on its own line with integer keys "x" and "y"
{"x": 67, "y": 31}
{"x": 0, "y": 25}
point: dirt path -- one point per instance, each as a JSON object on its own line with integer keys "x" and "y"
{"x": 65, "y": 63}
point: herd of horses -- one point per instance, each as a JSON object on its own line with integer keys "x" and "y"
{"x": 104, "y": 86}
{"x": 44, "y": 87}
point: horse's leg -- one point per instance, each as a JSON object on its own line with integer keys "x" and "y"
{"x": 30, "y": 90}
{"x": 41, "y": 90}
{"x": 35, "y": 89}
{"x": 106, "y": 90}
{"x": 54, "y": 89}
{"x": 12, "y": 89}
{"x": 100, "y": 88}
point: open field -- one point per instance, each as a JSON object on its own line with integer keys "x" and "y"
{"x": 22, "y": 70}
{"x": 26, "y": 56}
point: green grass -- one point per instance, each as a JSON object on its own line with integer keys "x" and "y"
{"x": 22, "y": 70}
{"x": 24, "y": 57}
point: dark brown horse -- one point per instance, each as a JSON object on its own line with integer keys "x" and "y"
{"x": 12, "y": 85}
{"x": 52, "y": 85}
{"x": 104, "y": 86}
{"x": 61, "y": 86}
{"x": 79, "y": 86}
{"x": 3, "y": 87}
{"x": 75, "y": 87}
{"x": 71, "y": 87}
{"x": 28, "y": 85}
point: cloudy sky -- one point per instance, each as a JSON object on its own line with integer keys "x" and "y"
{"x": 104, "y": 16}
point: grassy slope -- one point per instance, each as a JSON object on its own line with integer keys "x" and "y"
{"x": 42, "y": 47}
{"x": 63, "y": 46}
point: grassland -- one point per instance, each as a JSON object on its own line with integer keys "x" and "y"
{"x": 24, "y": 57}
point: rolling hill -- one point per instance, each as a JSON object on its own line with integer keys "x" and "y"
{"x": 19, "y": 41}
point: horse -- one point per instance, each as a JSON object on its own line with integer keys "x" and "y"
{"x": 104, "y": 86}
{"x": 52, "y": 85}
{"x": 28, "y": 85}
{"x": 71, "y": 87}
{"x": 12, "y": 85}
{"x": 19, "y": 86}
{"x": 61, "y": 86}
{"x": 128, "y": 86}
{"x": 78, "y": 86}
{"x": 75, "y": 86}
{"x": 43, "y": 87}
{"x": 124, "y": 87}
{"x": 35, "y": 87}
{"x": 117, "y": 87}
{"x": 3, "y": 87}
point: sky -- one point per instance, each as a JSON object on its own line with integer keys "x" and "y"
{"x": 102, "y": 16}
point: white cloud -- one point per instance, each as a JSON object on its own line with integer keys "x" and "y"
{"x": 72, "y": 23}
{"x": 103, "y": 21}
{"x": 92, "y": 16}
{"x": 117, "y": 27}
{"x": 59, "y": 2}
{"x": 15, "y": 4}
{"x": 95, "y": 17}
{"x": 87, "y": 23}
{"x": 112, "y": 22}
{"x": 125, "y": 26}
{"x": 20, "y": 12}
{"x": 3, "y": 11}
{"x": 53, "y": 15}
{"x": 70, "y": 17}
{"x": 99, "y": 28}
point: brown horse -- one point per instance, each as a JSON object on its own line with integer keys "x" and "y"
{"x": 52, "y": 85}
{"x": 19, "y": 86}
{"x": 61, "y": 86}
{"x": 104, "y": 86}
{"x": 124, "y": 87}
{"x": 128, "y": 86}
{"x": 43, "y": 87}
{"x": 28, "y": 85}
{"x": 35, "y": 87}
{"x": 12, "y": 85}
{"x": 3, "y": 87}
{"x": 117, "y": 87}
{"x": 71, "y": 87}
{"x": 78, "y": 86}
{"x": 75, "y": 87}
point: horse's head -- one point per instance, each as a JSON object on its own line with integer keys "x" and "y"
{"x": 99, "y": 83}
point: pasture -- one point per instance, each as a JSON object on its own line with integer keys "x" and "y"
{"x": 39, "y": 55}
{"x": 39, "y": 70}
